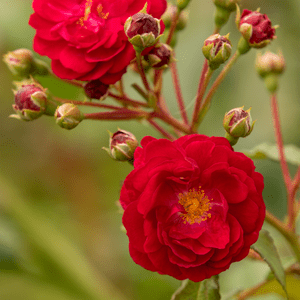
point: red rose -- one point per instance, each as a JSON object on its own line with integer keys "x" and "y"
{"x": 256, "y": 28}
{"x": 85, "y": 38}
{"x": 192, "y": 206}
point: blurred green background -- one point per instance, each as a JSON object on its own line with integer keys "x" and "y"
{"x": 60, "y": 227}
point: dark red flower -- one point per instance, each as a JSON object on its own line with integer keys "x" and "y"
{"x": 95, "y": 89}
{"x": 192, "y": 206}
{"x": 256, "y": 28}
{"x": 85, "y": 38}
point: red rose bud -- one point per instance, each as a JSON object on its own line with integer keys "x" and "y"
{"x": 122, "y": 145}
{"x": 185, "y": 213}
{"x": 217, "y": 50}
{"x": 269, "y": 63}
{"x": 22, "y": 63}
{"x": 256, "y": 28}
{"x": 160, "y": 56}
{"x": 237, "y": 123}
{"x": 142, "y": 31}
{"x": 30, "y": 102}
{"x": 95, "y": 89}
{"x": 68, "y": 116}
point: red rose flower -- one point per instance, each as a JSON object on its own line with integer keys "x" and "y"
{"x": 192, "y": 206}
{"x": 256, "y": 28}
{"x": 85, "y": 38}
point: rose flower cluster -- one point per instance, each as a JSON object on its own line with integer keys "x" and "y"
{"x": 192, "y": 206}
{"x": 85, "y": 39}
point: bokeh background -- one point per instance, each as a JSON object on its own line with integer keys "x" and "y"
{"x": 59, "y": 219}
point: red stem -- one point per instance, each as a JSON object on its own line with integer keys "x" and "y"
{"x": 178, "y": 92}
{"x": 161, "y": 130}
{"x": 124, "y": 114}
{"x": 175, "y": 17}
{"x": 141, "y": 70}
{"x": 127, "y": 100}
{"x": 283, "y": 162}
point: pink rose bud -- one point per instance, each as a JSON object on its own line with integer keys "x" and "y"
{"x": 95, "y": 89}
{"x": 256, "y": 28}
{"x": 237, "y": 123}
{"x": 30, "y": 102}
{"x": 142, "y": 30}
{"x": 269, "y": 63}
{"x": 217, "y": 50}
{"x": 68, "y": 116}
{"x": 122, "y": 145}
{"x": 160, "y": 56}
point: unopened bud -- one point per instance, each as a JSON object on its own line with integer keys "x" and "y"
{"x": 256, "y": 28}
{"x": 269, "y": 63}
{"x": 22, "y": 63}
{"x": 167, "y": 17}
{"x": 95, "y": 89}
{"x": 229, "y": 5}
{"x": 160, "y": 56}
{"x": 68, "y": 116}
{"x": 30, "y": 102}
{"x": 122, "y": 145}
{"x": 238, "y": 123}
{"x": 182, "y": 4}
{"x": 142, "y": 30}
{"x": 217, "y": 50}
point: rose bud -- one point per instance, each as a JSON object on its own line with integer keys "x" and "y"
{"x": 223, "y": 10}
{"x": 122, "y": 145}
{"x": 142, "y": 31}
{"x": 95, "y": 89}
{"x": 68, "y": 116}
{"x": 256, "y": 28}
{"x": 182, "y": 4}
{"x": 159, "y": 56}
{"x": 22, "y": 63}
{"x": 237, "y": 123}
{"x": 217, "y": 50}
{"x": 168, "y": 15}
{"x": 30, "y": 102}
{"x": 269, "y": 63}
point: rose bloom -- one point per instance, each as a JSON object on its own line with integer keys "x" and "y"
{"x": 85, "y": 38}
{"x": 262, "y": 29}
{"x": 192, "y": 206}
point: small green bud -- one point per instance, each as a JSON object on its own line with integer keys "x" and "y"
{"x": 168, "y": 16}
{"x": 30, "y": 100}
{"x": 22, "y": 63}
{"x": 68, "y": 116}
{"x": 238, "y": 123}
{"x": 122, "y": 145}
{"x": 217, "y": 50}
{"x": 229, "y": 5}
{"x": 182, "y": 4}
{"x": 269, "y": 63}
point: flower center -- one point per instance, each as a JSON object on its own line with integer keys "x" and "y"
{"x": 196, "y": 205}
{"x": 88, "y": 10}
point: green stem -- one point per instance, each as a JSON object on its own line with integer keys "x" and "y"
{"x": 205, "y": 106}
{"x": 286, "y": 232}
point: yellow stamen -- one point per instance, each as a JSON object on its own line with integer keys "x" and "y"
{"x": 87, "y": 12}
{"x": 196, "y": 205}
{"x": 100, "y": 13}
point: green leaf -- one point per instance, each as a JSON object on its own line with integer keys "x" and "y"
{"x": 266, "y": 249}
{"x": 207, "y": 289}
{"x": 268, "y": 151}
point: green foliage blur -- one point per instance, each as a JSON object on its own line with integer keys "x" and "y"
{"x": 59, "y": 189}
